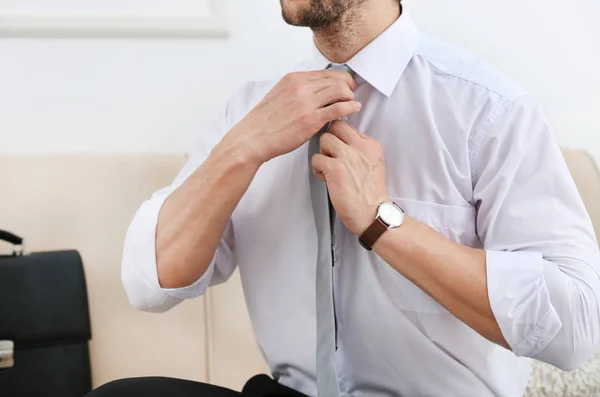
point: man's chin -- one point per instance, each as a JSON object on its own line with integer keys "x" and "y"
{"x": 291, "y": 15}
{"x": 294, "y": 11}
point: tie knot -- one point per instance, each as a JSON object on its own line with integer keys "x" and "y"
{"x": 341, "y": 68}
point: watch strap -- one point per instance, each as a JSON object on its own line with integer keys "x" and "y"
{"x": 372, "y": 234}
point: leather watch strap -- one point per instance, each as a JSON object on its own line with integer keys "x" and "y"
{"x": 372, "y": 234}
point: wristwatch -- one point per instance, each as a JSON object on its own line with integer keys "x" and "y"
{"x": 389, "y": 216}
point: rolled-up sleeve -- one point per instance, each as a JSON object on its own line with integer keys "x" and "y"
{"x": 139, "y": 273}
{"x": 542, "y": 253}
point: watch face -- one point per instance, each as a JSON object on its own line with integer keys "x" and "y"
{"x": 391, "y": 214}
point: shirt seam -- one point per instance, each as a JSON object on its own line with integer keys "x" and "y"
{"x": 475, "y": 166}
{"x": 479, "y": 135}
{"x": 436, "y": 67}
{"x": 532, "y": 333}
{"x": 481, "y": 132}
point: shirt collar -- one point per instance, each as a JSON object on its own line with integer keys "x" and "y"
{"x": 382, "y": 62}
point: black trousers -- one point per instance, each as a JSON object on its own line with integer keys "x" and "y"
{"x": 259, "y": 386}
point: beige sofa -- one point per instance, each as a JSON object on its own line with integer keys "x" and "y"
{"x": 86, "y": 202}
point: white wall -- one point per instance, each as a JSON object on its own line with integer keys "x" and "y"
{"x": 156, "y": 95}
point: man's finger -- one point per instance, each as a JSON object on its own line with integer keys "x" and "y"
{"x": 337, "y": 74}
{"x": 321, "y": 165}
{"x": 322, "y": 84}
{"x": 338, "y": 92}
{"x": 345, "y": 132}
{"x": 332, "y": 146}
{"x": 338, "y": 110}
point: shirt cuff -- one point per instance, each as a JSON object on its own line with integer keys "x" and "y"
{"x": 520, "y": 301}
{"x": 196, "y": 289}
{"x": 145, "y": 257}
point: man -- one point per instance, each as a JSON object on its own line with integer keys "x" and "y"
{"x": 491, "y": 258}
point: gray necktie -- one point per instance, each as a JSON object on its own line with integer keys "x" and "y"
{"x": 327, "y": 383}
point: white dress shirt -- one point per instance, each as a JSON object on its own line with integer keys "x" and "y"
{"x": 468, "y": 153}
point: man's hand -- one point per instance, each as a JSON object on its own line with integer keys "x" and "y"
{"x": 295, "y": 110}
{"x": 353, "y": 167}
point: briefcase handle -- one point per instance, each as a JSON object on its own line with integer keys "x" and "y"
{"x": 10, "y": 238}
{"x": 13, "y": 239}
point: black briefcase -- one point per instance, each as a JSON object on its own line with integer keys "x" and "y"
{"x": 44, "y": 312}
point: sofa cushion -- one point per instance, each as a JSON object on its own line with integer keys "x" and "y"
{"x": 86, "y": 202}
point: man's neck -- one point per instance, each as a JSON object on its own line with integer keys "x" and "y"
{"x": 355, "y": 30}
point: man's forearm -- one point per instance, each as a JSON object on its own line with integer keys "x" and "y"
{"x": 194, "y": 217}
{"x": 453, "y": 274}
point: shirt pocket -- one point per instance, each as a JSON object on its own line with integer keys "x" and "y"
{"x": 454, "y": 222}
